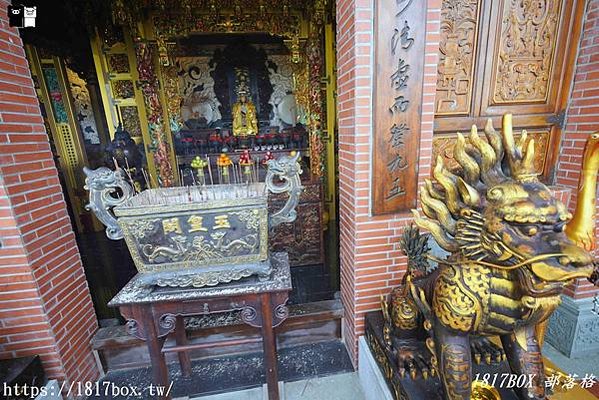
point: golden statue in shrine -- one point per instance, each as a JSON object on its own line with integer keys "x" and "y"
{"x": 245, "y": 121}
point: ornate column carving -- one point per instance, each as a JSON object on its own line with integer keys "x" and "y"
{"x": 148, "y": 82}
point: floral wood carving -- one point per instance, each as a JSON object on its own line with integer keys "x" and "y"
{"x": 166, "y": 324}
{"x": 277, "y": 17}
{"x": 316, "y": 117}
{"x": 457, "y": 48}
{"x": 177, "y": 25}
{"x": 443, "y": 146}
{"x": 526, "y": 49}
{"x": 173, "y": 96}
{"x": 131, "y": 122}
{"x": 134, "y": 328}
{"x": 249, "y": 315}
{"x": 150, "y": 88}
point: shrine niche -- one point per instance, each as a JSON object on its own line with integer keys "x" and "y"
{"x": 235, "y": 94}
{"x": 240, "y": 70}
{"x": 246, "y": 94}
{"x": 230, "y": 78}
{"x": 202, "y": 108}
{"x": 220, "y": 90}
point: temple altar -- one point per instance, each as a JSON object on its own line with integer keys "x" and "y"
{"x": 206, "y": 87}
{"x": 239, "y": 96}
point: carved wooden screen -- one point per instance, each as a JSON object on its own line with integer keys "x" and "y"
{"x": 506, "y": 56}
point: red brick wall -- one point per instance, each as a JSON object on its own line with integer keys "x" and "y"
{"x": 45, "y": 307}
{"x": 582, "y": 119}
{"x": 371, "y": 262}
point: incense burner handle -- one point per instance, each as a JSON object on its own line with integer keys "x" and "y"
{"x": 102, "y": 184}
{"x": 288, "y": 170}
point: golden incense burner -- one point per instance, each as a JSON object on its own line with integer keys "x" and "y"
{"x": 198, "y": 235}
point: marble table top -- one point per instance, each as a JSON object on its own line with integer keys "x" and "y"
{"x": 139, "y": 291}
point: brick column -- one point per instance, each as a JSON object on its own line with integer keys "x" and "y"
{"x": 371, "y": 261}
{"x": 582, "y": 118}
{"x": 572, "y": 326}
{"x": 45, "y": 306}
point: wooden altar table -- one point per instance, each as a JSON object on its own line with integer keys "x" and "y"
{"x": 153, "y": 312}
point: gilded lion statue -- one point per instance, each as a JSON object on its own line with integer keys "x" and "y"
{"x": 509, "y": 260}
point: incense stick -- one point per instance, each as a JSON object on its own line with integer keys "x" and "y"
{"x": 210, "y": 171}
{"x": 145, "y": 175}
{"x": 130, "y": 177}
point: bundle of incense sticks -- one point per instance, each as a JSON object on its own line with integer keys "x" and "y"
{"x": 239, "y": 181}
{"x": 195, "y": 194}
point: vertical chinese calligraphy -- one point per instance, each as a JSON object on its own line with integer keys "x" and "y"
{"x": 399, "y": 59}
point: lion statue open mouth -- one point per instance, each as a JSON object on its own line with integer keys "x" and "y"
{"x": 509, "y": 260}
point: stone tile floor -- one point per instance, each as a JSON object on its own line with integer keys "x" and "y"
{"x": 334, "y": 387}
{"x": 346, "y": 386}
{"x": 235, "y": 372}
{"x": 579, "y": 366}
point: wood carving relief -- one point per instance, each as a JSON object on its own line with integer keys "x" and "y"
{"x": 196, "y": 88}
{"x": 443, "y": 146}
{"x": 457, "y": 51}
{"x": 400, "y": 27}
{"x": 526, "y": 49}
{"x": 302, "y": 239}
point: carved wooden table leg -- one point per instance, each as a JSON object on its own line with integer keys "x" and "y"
{"x": 270, "y": 348}
{"x": 155, "y": 343}
{"x": 181, "y": 339}
{"x": 152, "y": 315}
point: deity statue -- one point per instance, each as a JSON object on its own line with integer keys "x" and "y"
{"x": 245, "y": 122}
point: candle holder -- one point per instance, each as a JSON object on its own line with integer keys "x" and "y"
{"x": 199, "y": 164}
{"x": 215, "y": 143}
{"x": 201, "y": 146}
{"x": 284, "y": 140}
{"x": 246, "y": 162}
{"x": 296, "y": 138}
{"x": 223, "y": 162}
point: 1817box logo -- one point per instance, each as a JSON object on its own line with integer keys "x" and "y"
{"x": 20, "y": 16}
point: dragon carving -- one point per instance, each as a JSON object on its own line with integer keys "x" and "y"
{"x": 201, "y": 248}
{"x": 509, "y": 260}
{"x": 283, "y": 175}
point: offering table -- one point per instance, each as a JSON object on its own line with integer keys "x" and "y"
{"x": 153, "y": 312}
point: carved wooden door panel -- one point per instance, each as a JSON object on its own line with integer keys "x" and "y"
{"x": 506, "y": 56}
